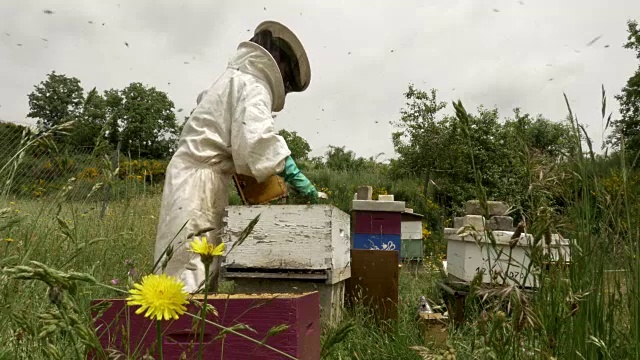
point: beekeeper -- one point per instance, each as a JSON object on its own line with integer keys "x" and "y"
{"x": 230, "y": 130}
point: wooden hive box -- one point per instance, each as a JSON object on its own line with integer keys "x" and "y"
{"x": 377, "y": 224}
{"x": 120, "y": 329}
{"x": 412, "y": 247}
{"x": 467, "y": 254}
{"x": 294, "y": 238}
{"x": 331, "y": 295}
{"x": 374, "y": 282}
{"x": 434, "y": 328}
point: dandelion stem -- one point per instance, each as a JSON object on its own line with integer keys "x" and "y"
{"x": 112, "y": 288}
{"x": 159, "y": 338}
{"x": 203, "y": 311}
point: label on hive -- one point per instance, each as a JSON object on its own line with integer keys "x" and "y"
{"x": 377, "y": 242}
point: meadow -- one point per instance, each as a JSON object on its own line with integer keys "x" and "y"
{"x": 62, "y": 247}
{"x": 576, "y": 314}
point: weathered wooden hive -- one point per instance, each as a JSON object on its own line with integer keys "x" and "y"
{"x": 292, "y": 248}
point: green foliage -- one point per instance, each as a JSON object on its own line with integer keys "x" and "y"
{"x": 91, "y": 121}
{"x": 144, "y": 121}
{"x": 138, "y": 117}
{"x": 56, "y": 100}
{"x": 11, "y": 135}
{"x": 299, "y": 147}
{"x": 433, "y": 147}
{"x": 628, "y": 126}
{"x": 339, "y": 159}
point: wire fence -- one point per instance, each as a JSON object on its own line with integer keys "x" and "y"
{"x": 40, "y": 166}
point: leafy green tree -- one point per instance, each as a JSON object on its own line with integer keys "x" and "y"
{"x": 418, "y": 141}
{"x": 143, "y": 121}
{"x": 11, "y": 135}
{"x": 628, "y": 126}
{"x": 90, "y": 124}
{"x": 56, "y": 100}
{"x": 299, "y": 147}
{"x": 436, "y": 148}
{"x": 340, "y": 159}
{"x": 539, "y": 134}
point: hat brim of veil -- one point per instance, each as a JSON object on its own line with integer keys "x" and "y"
{"x": 280, "y": 31}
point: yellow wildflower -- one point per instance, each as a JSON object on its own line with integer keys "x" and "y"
{"x": 9, "y": 240}
{"x": 12, "y": 203}
{"x": 161, "y": 296}
{"x": 205, "y": 250}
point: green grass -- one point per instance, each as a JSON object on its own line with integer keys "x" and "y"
{"x": 125, "y": 238}
{"x": 576, "y": 313}
{"x": 604, "y": 326}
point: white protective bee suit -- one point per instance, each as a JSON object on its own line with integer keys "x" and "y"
{"x": 230, "y": 130}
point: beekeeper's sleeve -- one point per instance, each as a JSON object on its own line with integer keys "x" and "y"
{"x": 292, "y": 175}
{"x": 255, "y": 146}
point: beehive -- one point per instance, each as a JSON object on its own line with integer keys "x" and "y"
{"x": 292, "y": 248}
{"x": 377, "y": 224}
{"x": 119, "y": 328}
{"x": 412, "y": 247}
{"x": 470, "y": 252}
{"x": 288, "y": 237}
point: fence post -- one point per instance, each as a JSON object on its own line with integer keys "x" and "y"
{"x": 115, "y": 163}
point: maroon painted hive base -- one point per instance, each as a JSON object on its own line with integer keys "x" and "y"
{"x": 119, "y": 328}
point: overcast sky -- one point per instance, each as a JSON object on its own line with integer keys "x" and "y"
{"x": 363, "y": 55}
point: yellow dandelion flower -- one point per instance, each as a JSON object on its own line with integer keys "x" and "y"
{"x": 161, "y": 296}
{"x": 9, "y": 240}
{"x": 205, "y": 250}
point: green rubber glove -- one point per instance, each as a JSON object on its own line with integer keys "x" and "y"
{"x": 293, "y": 176}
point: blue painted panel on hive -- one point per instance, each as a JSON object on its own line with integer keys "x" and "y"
{"x": 377, "y": 242}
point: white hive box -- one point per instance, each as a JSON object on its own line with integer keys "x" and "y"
{"x": 468, "y": 254}
{"x": 411, "y": 226}
{"x": 288, "y": 237}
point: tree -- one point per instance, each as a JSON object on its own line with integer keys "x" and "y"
{"x": 419, "y": 141}
{"x": 56, "y": 100}
{"x": 142, "y": 119}
{"x": 11, "y": 135}
{"x": 299, "y": 147}
{"x": 628, "y": 126}
{"x": 91, "y": 121}
{"x": 339, "y": 159}
{"x": 539, "y": 134}
{"x": 439, "y": 148}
